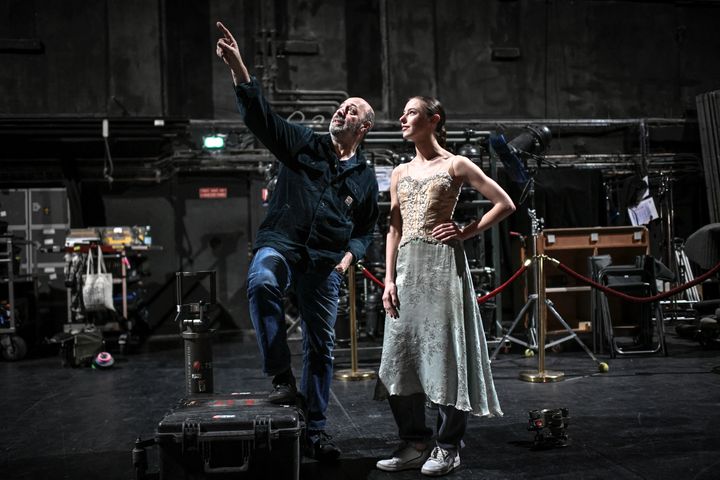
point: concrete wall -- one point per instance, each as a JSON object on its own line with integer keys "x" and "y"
{"x": 534, "y": 58}
{"x": 491, "y": 60}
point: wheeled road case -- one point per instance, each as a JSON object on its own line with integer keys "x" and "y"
{"x": 214, "y": 436}
{"x": 230, "y": 436}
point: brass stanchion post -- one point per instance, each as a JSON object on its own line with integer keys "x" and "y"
{"x": 542, "y": 375}
{"x": 353, "y": 373}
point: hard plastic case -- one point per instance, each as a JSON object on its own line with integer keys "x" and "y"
{"x": 230, "y": 436}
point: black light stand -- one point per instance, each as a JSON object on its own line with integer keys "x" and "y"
{"x": 536, "y": 137}
{"x": 538, "y": 316}
{"x": 530, "y": 303}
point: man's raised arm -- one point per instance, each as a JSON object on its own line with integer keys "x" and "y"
{"x": 228, "y": 50}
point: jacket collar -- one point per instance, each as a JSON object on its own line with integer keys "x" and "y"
{"x": 329, "y": 150}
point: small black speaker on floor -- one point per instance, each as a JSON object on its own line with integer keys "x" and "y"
{"x": 550, "y": 426}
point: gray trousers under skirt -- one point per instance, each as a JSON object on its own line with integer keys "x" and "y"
{"x": 409, "y": 413}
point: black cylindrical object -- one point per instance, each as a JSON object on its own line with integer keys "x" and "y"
{"x": 487, "y": 314}
{"x": 373, "y": 305}
{"x": 198, "y": 362}
{"x": 342, "y": 320}
{"x": 194, "y": 323}
{"x": 375, "y": 253}
{"x": 139, "y": 457}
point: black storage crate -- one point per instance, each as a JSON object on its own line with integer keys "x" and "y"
{"x": 78, "y": 349}
{"x": 230, "y": 436}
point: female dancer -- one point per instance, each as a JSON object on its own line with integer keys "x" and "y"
{"x": 434, "y": 345}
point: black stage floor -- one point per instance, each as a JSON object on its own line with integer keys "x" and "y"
{"x": 649, "y": 417}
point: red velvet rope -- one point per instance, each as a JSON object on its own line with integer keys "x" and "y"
{"x": 480, "y": 300}
{"x": 369, "y": 275}
{"x": 632, "y": 298}
{"x": 502, "y": 287}
{"x": 581, "y": 278}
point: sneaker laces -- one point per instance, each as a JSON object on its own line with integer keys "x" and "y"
{"x": 440, "y": 454}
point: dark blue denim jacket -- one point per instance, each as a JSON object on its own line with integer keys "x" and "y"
{"x": 315, "y": 215}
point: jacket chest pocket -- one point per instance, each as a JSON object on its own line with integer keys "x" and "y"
{"x": 350, "y": 197}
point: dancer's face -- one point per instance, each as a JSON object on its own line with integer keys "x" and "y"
{"x": 414, "y": 121}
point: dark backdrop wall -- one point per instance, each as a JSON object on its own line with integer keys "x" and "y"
{"x": 535, "y": 58}
{"x": 69, "y": 64}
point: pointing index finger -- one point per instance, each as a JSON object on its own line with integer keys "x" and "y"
{"x": 225, "y": 31}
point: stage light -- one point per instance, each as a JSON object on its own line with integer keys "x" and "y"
{"x": 531, "y": 143}
{"x": 469, "y": 149}
{"x": 215, "y": 141}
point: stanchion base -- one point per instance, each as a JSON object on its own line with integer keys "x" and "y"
{"x": 353, "y": 375}
{"x": 546, "y": 376}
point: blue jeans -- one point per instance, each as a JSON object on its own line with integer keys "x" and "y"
{"x": 269, "y": 278}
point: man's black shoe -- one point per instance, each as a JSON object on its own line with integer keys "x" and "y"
{"x": 284, "y": 389}
{"x": 283, "y": 394}
{"x": 321, "y": 448}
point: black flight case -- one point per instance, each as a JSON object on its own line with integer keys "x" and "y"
{"x": 221, "y": 436}
{"x": 212, "y": 435}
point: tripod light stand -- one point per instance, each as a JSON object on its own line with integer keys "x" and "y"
{"x": 532, "y": 144}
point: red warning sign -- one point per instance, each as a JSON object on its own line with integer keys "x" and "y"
{"x": 213, "y": 192}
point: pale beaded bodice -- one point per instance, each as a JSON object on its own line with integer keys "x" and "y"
{"x": 426, "y": 203}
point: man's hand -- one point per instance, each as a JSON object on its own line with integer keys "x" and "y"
{"x": 344, "y": 263}
{"x": 227, "y": 49}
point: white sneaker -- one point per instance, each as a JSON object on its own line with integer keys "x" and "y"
{"x": 441, "y": 462}
{"x": 406, "y": 457}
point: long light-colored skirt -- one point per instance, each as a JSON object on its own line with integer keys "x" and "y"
{"x": 437, "y": 346}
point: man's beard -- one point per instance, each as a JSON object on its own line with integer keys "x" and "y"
{"x": 336, "y": 130}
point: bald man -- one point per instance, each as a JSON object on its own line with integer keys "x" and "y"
{"x": 319, "y": 221}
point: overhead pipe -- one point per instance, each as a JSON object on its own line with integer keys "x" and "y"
{"x": 319, "y": 103}
{"x": 341, "y": 94}
{"x": 451, "y": 136}
{"x": 381, "y": 123}
{"x": 582, "y": 122}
